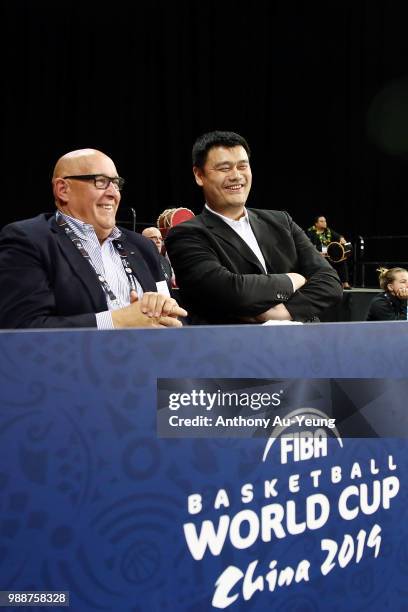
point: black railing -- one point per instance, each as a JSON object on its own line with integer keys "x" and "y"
{"x": 373, "y": 252}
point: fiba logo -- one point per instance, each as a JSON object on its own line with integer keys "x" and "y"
{"x": 299, "y": 443}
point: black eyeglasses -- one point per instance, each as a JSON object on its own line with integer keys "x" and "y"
{"x": 100, "y": 180}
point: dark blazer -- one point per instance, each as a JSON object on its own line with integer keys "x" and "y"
{"x": 46, "y": 282}
{"x": 221, "y": 280}
{"x": 387, "y": 307}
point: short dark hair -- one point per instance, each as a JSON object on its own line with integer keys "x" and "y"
{"x": 216, "y": 139}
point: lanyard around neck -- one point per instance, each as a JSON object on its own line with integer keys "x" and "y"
{"x": 76, "y": 240}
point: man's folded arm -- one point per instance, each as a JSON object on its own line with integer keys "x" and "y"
{"x": 199, "y": 272}
{"x": 195, "y": 258}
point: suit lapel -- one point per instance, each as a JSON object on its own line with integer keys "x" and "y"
{"x": 80, "y": 267}
{"x": 265, "y": 235}
{"x": 139, "y": 266}
{"x": 85, "y": 272}
{"x": 227, "y": 234}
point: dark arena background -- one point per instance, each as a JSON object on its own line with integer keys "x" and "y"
{"x": 319, "y": 89}
{"x": 210, "y": 467}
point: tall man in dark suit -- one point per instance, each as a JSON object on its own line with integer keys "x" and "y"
{"x": 76, "y": 268}
{"x": 236, "y": 265}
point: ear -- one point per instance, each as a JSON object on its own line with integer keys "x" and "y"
{"x": 389, "y": 287}
{"x": 198, "y": 173}
{"x": 61, "y": 190}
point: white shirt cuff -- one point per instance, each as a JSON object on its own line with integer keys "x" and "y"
{"x": 104, "y": 320}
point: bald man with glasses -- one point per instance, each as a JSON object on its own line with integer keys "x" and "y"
{"x": 76, "y": 268}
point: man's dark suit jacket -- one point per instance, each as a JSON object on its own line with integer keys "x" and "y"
{"x": 221, "y": 280}
{"x": 46, "y": 282}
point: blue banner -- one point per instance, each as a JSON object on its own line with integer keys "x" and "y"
{"x": 96, "y": 503}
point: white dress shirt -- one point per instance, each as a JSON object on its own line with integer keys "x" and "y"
{"x": 107, "y": 262}
{"x": 243, "y": 228}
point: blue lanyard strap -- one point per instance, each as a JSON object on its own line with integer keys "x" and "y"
{"x": 125, "y": 263}
{"x": 120, "y": 249}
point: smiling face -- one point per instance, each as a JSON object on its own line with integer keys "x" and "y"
{"x": 81, "y": 199}
{"x": 226, "y": 180}
{"x": 399, "y": 283}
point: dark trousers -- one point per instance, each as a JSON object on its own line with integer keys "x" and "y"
{"x": 342, "y": 270}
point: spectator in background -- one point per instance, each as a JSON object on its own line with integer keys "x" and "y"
{"x": 321, "y": 236}
{"x": 391, "y": 305}
{"x": 154, "y": 234}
